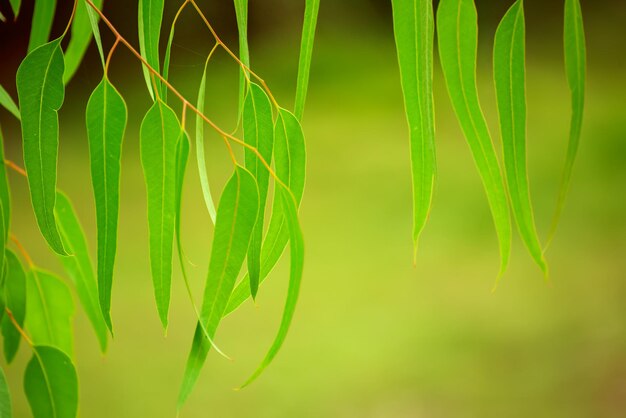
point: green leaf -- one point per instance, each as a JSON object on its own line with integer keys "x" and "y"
{"x": 204, "y": 180}
{"x": 51, "y": 384}
{"x": 106, "y": 117}
{"x": 241, "y": 12}
{"x": 576, "y": 66}
{"x": 159, "y": 135}
{"x": 258, "y": 132}
{"x": 5, "y": 206}
{"x": 149, "y": 24}
{"x": 236, "y": 215}
{"x": 7, "y": 102}
{"x": 49, "y": 310}
{"x": 15, "y": 5}
{"x": 15, "y": 297}
{"x": 457, "y": 30}
{"x": 306, "y": 52}
{"x": 290, "y": 163}
{"x": 41, "y": 92}
{"x": 510, "y": 80}
{"x": 94, "y": 18}
{"x": 43, "y": 16}
{"x": 81, "y": 36}
{"x": 182, "y": 156}
{"x": 290, "y": 209}
{"x": 79, "y": 267}
{"x": 414, "y": 31}
{"x": 5, "y": 397}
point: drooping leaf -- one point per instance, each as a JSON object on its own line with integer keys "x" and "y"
{"x": 182, "y": 156}
{"x": 43, "y": 16}
{"x": 414, "y": 31}
{"x": 258, "y": 132}
{"x": 149, "y": 24}
{"x": 510, "y": 80}
{"x": 5, "y": 206}
{"x": 204, "y": 180}
{"x": 236, "y": 216}
{"x": 106, "y": 117}
{"x": 41, "y": 93}
{"x": 15, "y": 5}
{"x": 457, "y": 30}
{"x": 7, "y": 102}
{"x": 290, "y": 209}
{"x": 15, "y": 297}
{"x": 306, "y": 52}
{"x": 94, "y": 18}
{"x": 241, "y": 12}
{"x": 81, "y": 36}
{"x": 159, "y": 135}
{"x": 79, "y": 267}
{"x": 5, "y": 397}
{"x": 576, "y": 66}
{"x": 290, "y": 163}
{"x": 49, "y": 310}
{"x": 51, "y": 384}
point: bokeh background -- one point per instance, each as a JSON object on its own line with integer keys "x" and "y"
{"x": 373, "y": 335}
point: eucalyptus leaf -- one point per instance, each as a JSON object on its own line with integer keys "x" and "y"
{"x": 5, "y": 397}
{"x": 182, "y": 156}
{"x": 241, "y": 13}
{"x": 149, "y": 23}
{"x": 15, "y": 297}
{"x": 94, "y": 18}
{"x": 15, "y": 5}
{"x": 41, "y": 93}
{"x": 81, "y": 37}
{"x": 5, "y": 206}
{"x": 311, "y": 10}
{"x": 7, "y": 102}
{"x": 43, "y": 16}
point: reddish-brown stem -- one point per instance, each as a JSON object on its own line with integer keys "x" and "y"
{"x": 22, "y": 250}
{"x": 15, "y": 167}
{"x": 18, "y": 328}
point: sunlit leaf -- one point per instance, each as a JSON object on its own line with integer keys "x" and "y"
{"x": 106, "y": 117}
{"x": 258, "y": 132}
{"x": 149, "y": 24}
{"x": 15, "y": 298}
{"x": 159, "y": 135}
{"x": 510, "y": 80}
{"x": 182, "y": 156}
{"x": 306, "y": 52}
{"x": 5, "y": 205}
{"x": 414, "y": 32}
{"x": 457, "y": 30}
{"x": 241, "y": 12}
{"x": 7, "y": 102}
{"x": 49, "y": 310}
{"x": 81, "y": 36}
{"x": 51, "y": 384}
{"x": 5, "y": 397}
{"x": 41, "y": 93}
{"x": 236, "y": 215}
{"x": 43, "y": 16}
{"x": 79, "y": 267}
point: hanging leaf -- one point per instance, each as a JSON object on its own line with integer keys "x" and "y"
{"x": 149, "y": 24}
{"x": 258, "y": 132}
{"x": 40, "y": 90}
{"x": 94, "y": 18}
{"x": 79, "y": 267}
{"x": 5, "y": 205}
{"x": 241, "y": 12}
{"x": 576, "y": 66}
{"x": 457, "y": 30}
{"x": 510, "y": 80}
{"x": 290, "y": 163}
{"x": 7, "y": 102}
{"x": 51, "y": 384}
{"x": 15, "y": 297}
{"x": 43, "y": 16}
{"x": 5, "y": 397}
{"x": 49, "y": 310}
{"x": 306, "y": 52}
{"x": 236, "y": 215}
{"x": 106, "y": 117}
{"x": 290, "y": 209}
{"x": 15, "y": 5}
{"x": 414, "y": 34}
{"x": 159, "y": 135}
{"x": 182, "y": 156}
{"x": 81, "y": 37}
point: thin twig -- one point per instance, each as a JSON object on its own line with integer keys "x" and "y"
{"x": 17, "y": 327}
{"x": 22, "y": 250}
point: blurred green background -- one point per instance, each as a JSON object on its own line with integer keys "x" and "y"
{"x": 373, "y": 336}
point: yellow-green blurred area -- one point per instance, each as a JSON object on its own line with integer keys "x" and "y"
{"x": 373, "y": 335}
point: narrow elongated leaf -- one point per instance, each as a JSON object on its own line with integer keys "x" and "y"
{"x": 576, "y": 68}
{"x": 41, "y": 92}
{"x": 81, "y": 36}
{"x": 15, "y": 297}
{"x": 79, "y": 267}
{"x": 236, "y": 216}
{"x": 15, "y": 5}
{"x": 149, "y": 24}
{"x": 43, "y": 16}
{"x": 510, "y": 80}
{"x": 51, "y": 384}
{"x": 106, "y": 117}
{"x": 306, "y": 52}
{"x": 241, "y": 12}
{"x": 457, "y": 30}
{"x": 7, "y": 102}
{"x": 290, "y": 163}
{"x": 204, "y": 180}
{"x": 5, "y": 206}
{"x": 258, "y": 132}
{"x": 159, "y": 134}
{"x": 94, "y": 18}
{"x": 49, "y": 310}
{"x": 5, "y": 397}
{"x": 414, "y": 31}
{"x": 182, "y": 156}
{"x": 290, "y": 209}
